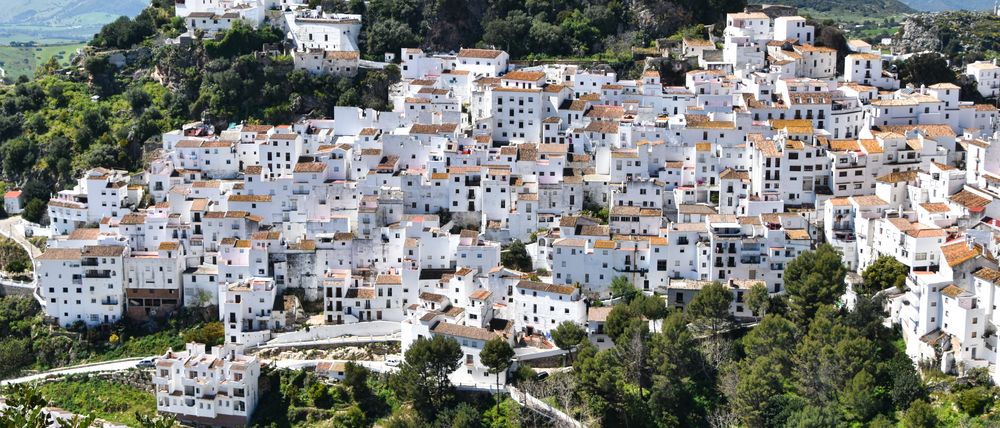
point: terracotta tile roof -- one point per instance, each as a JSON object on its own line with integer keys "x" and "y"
{"x": 952, "y": 291}
{"x": 959, "y": 252}
{"x": 944, "y": 167}
{"x": 84, "y": 234}
{"x": 797, "y": 234}
{"x": 419, "y": 128}
{"x": 169, "y": 246}
{"x": 310, "y": 167}
{"x": 548, "y": 288}
{"x": 386, "y": 279}
{"x": 481, "y": 294}
{"x": 479, "y": 53}
{"x": 935, "y": 207}
{"x": 732, "y": 174}
{"x": 899, "y": 176}
{"x": 61, "y": 254}
{"x": 868, "y": 200}
{"x": 103, "y": 251}
{"x": 988, "y": 274}
{"x": 598, "y": 314}
{"x": 845, "y": 146}
{"x": 871, "y": 146}
{"x": 468, "y": 332}
{"x": 249, "y": 198}
{"x": 971, "y": 201}
{"x": 529, "y": 76}
{"x": 606, "y": 112}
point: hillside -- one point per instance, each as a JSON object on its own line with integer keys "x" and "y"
{"x": 53, "y": 21}
{"x": 960, "y": 36}
{"x": 943, "y": 5}
{"x": 872, "y": 8}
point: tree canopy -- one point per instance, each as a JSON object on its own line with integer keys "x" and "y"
{"x": 813, "y": 279}
{"x": 423, "y": 376}
{"x": 886, "y": 272}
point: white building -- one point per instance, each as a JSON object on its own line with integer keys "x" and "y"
{"x": 218, "y": 387}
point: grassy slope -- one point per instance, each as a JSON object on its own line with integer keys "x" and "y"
{"x": 23, "y": 61}
{"x": 60, "y": 21}
{"x": 113, "y": 402}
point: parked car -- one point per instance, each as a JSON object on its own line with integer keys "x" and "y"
{"x": 146, "y": 363}
{"x": 393, "y": 360}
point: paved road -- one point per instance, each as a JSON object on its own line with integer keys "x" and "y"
{"x": 341, "y": 340}
{"x": 110, "y": 366}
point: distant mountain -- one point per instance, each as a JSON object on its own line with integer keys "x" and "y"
{"x": 46, "y": 21}
{"x": 857, "y": 7}
{"x": 940, "y": 5}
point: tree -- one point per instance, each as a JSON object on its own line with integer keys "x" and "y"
{"x": 320, "y": 395}
{"x": 460, "y": 416}
{"x": 508, "y": 33}
{"x": 859, "y": 399}
{"x": 147, "y": 421}
{"x": 681, "y": 385}
{"x": 886, "y": 272}
{"x": 516, "y": 257}
{"x": 920, "y": 415}
{"x": 16, "y": 266}
{"x": 567, "y": 335}
{"x": 829, "y": 356}
{"x": 759, "y": 300}
{"x": 773, "y": 333}
{"x": 974, "y": 401}
{"x": 24, "y": 409}
{"x": 211, "y": 334}
{"x": 710, "y": 308}
{"x": 356, "y": 378}
{"x": 623, "y": 289}
{"x": 925, "y": 69}
{"x": 623, "y": 321}
{"x": 760, "y": 381}
{"x": 907, "y": 386}
{"x": 389, "y": 35}
{"x": 600, "y": 383}
{"x": 496, "y": 355}
{"x": 242, "y": 39}
{"x": 423, "y": 376}
{"x": 813, "y": 279}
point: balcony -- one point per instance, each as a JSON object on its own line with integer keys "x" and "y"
{"x": 750, "y": 259}
{"x": 109, "y": 302}
{"x": 845, "y": 236}
{"x": 88, "y": 262}
{"x": 631, "y": 269}
{"x": 98, "y": 274}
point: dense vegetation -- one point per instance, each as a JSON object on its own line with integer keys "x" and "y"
{"x": 564, "y": 28}
{"x": 28, "y": 343}
{"x": 807, "y": 363}
{"x": 118, "y": 402}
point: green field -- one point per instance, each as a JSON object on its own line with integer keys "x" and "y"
{"x": 17, "y": 61}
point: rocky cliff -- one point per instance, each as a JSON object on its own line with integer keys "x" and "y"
{"x": 961, "y": 36}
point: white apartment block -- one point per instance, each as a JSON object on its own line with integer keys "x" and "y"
{"x": 216, "y": 387}
{"x": 987, "y": 77}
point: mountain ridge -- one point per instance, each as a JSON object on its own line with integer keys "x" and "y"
{"x": 871, "y": 8}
